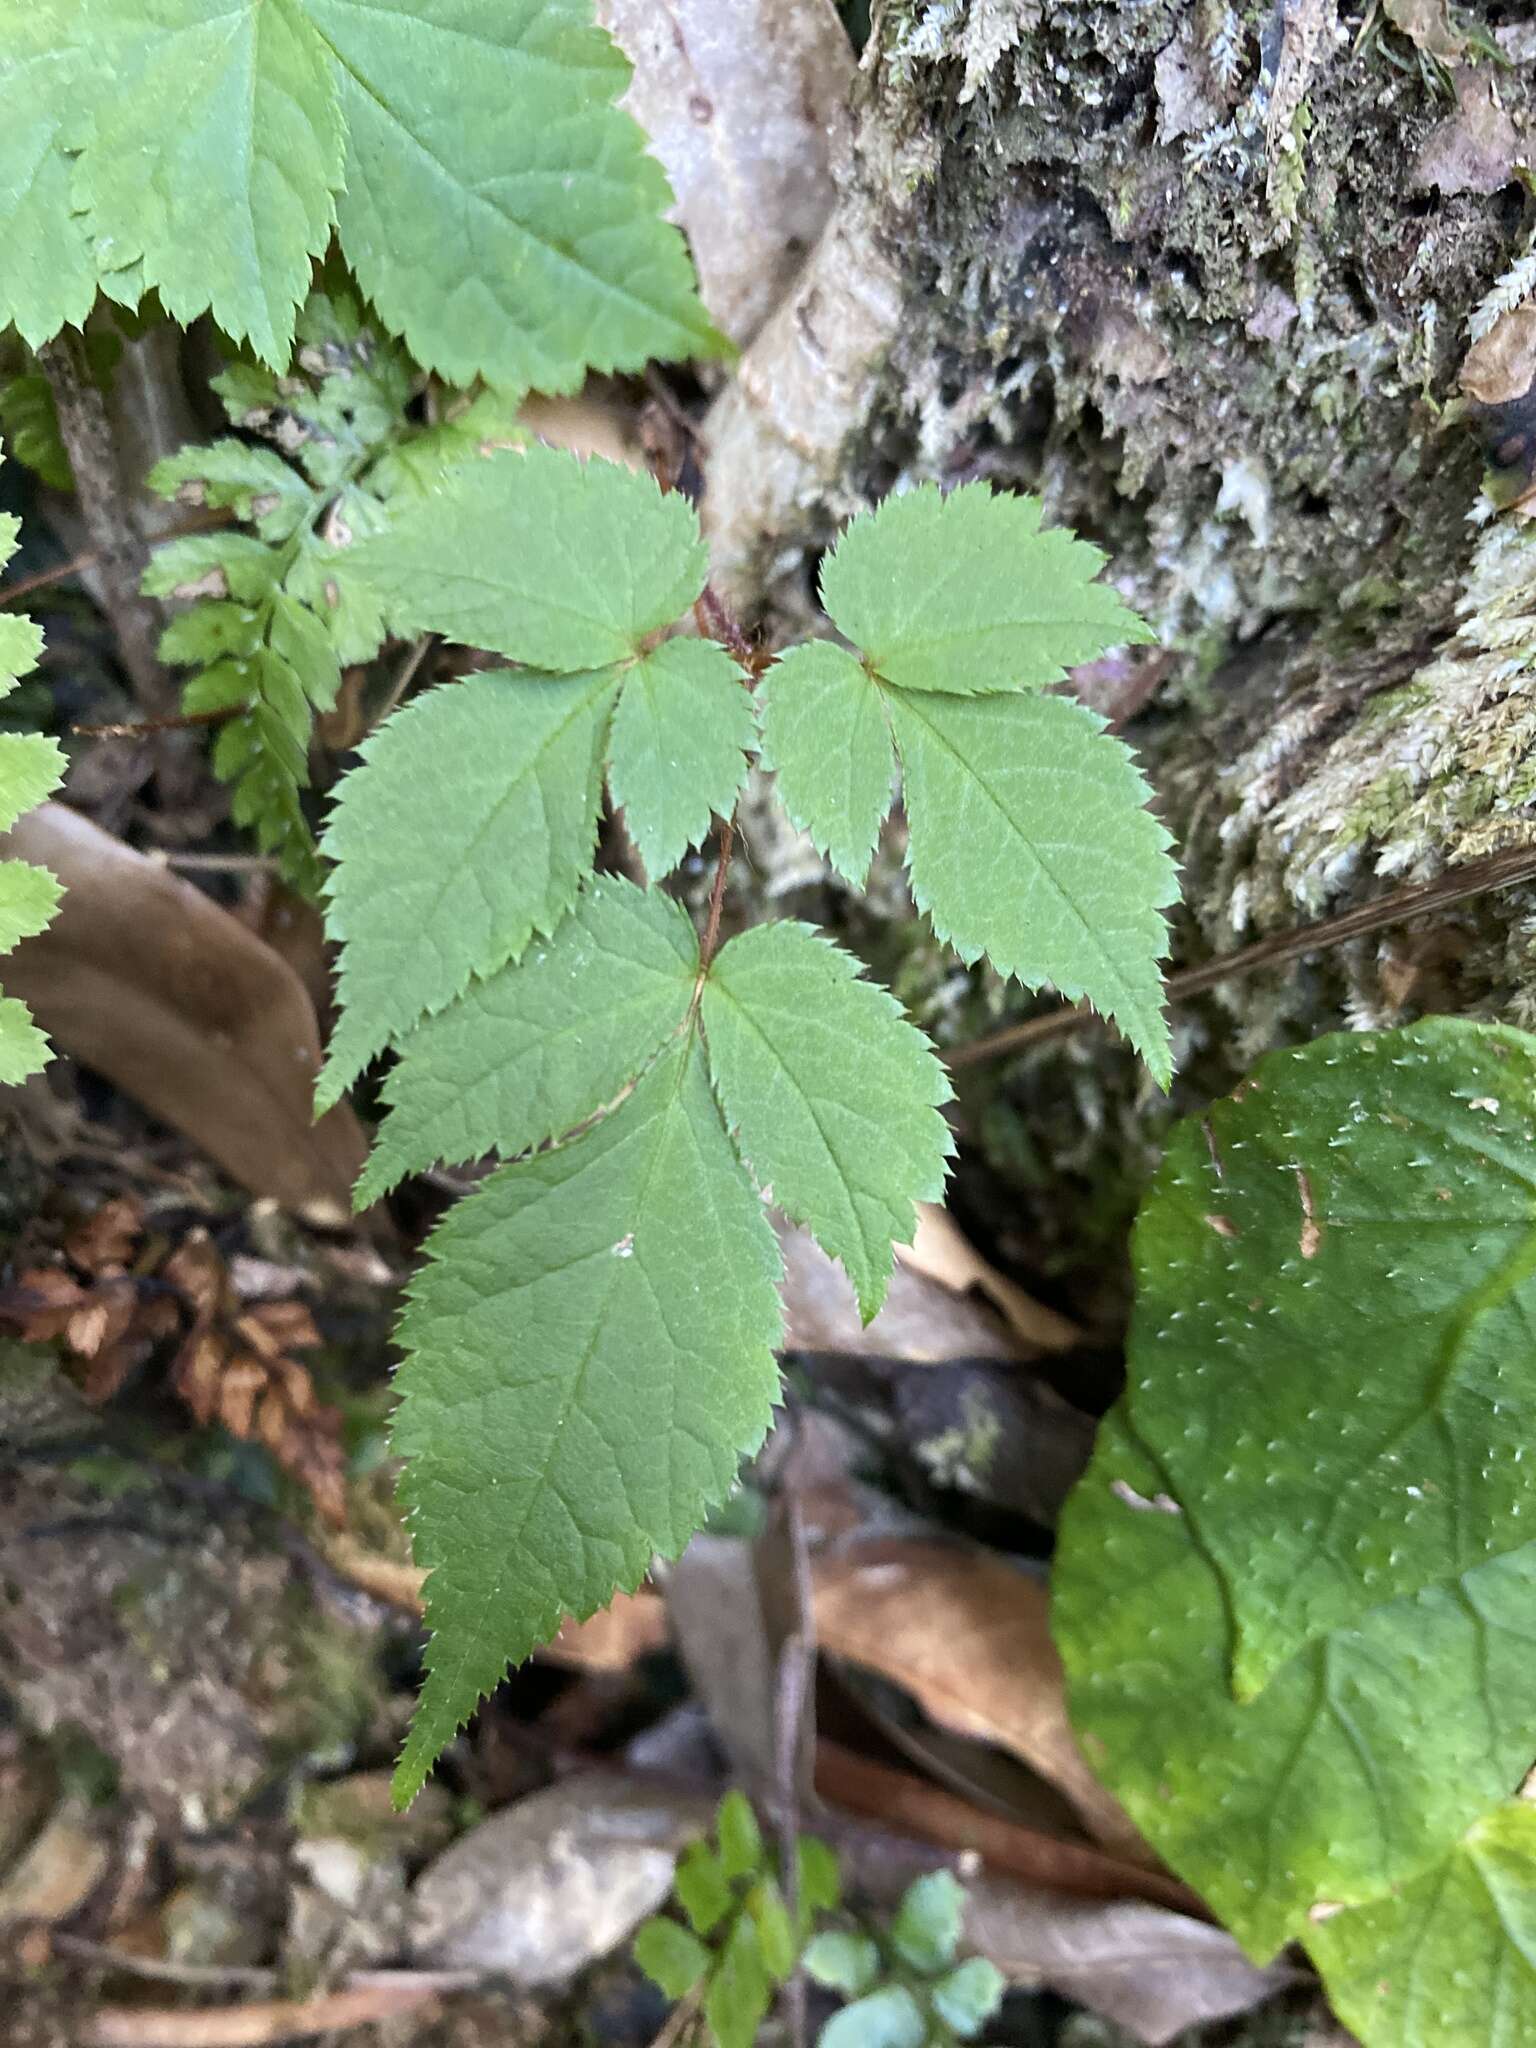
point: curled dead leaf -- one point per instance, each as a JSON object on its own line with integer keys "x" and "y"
{"x": 147, "y": 980}
{"x": 968, "y": 1636}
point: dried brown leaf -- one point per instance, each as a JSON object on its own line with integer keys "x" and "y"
{"x": 107, "y": 1238}
{"x": 1428, "y": 26}
{"x": 941, "y": 1251}
{"x": 147, "y": 980}
{"x": 969, "y": 1637}
{"x": 1154, "y": 1972}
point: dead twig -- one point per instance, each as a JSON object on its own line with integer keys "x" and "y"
{"x": 407, "y": 673}
{"x": 260, "y": 2024}
{"x": 160, "y": 1969}
{"x": 1474, "y": 878}
{"x": 683, "y": 2016}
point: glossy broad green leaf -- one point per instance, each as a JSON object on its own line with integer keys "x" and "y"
{"x": 1358, "y": 1767}
{"x": 590, "y": 1350}
{"x": 1354, "y": 1233}
{"x": 966, "y": 592}
{"x": 499, "y": 211}
{"x": 834, "y": 1096}
{"x": 469, "y": 827}
{"x": 679, "y": 748}
{"x": 212, "y": 163}
{"x": 531, "y": 1051}
{"x": 560, "y": 564}
{"x": 1029, "y": 841}
{"x": 1449, "y": 1961}
{"x": 825, "y": 735}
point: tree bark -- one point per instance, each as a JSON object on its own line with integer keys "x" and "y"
{"x": 1206, "y": 280}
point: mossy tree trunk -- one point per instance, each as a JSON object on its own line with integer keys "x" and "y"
{"x": 1206, "y": 278}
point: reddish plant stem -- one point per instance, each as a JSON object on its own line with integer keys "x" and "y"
{"x": 146, "y": 728}
{"x": 717, "y": 623}
{"x": 711, "y": 941}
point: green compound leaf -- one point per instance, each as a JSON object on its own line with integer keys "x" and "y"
{"x": 679, "y": 747}
{"x": 834, "y": 1096}
{"x": 670, "y": 1956}
{"x": 739, "y": 1836}
{"x": 1029, "y": 842}
{"x": 499, "y": 210}
{"x": 825, "y": 733}
{"x": 213, "y": 161}
{"x": 1361, "y": 1763}
{"x": 739, "y": 1993}
{"x": 530, "y": 1052}
{"x": 888, "y": 2018}
{"x": 31, "y": 768}
{"x": 1359, "y": 1230}
{"x": 230, "y": 476}
{"x": 28, "y": 897}
{"x": 47, "y": 275}
{"x": 590, "y": 1350}
{"x": 702, "y": 1887}
{"x": 500, "y": 776}
{"x": 926, "y": 1930}
{"x": 560, "y": 564}
{"x": 967, "y": 593}
{"x": 848, "y": 1963}
{"x": 968, "y": 1997}
{"x": 1450, "y": 1961}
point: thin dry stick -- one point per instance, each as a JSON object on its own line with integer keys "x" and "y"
{"x": 409, "y": 669}
{"x": 160, "y": 1969}
{"x": 1473, "y": 878}
{"x": 87, "y": 436}
{"x": 682, "y": 2016}
{"x": 257, "y": 2025}
{"x": 13, "y": 593}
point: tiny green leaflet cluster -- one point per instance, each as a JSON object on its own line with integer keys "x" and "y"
{"x": 904, "y": 1985}
{"x": 590, "y": 1345}
{"x": 741, "y": 1942}
{"x": 267, "y": 609}
{"x": 496, "y": 206}
{"x": 31, "y": 768}
{"x": 1294, "y": 1591}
